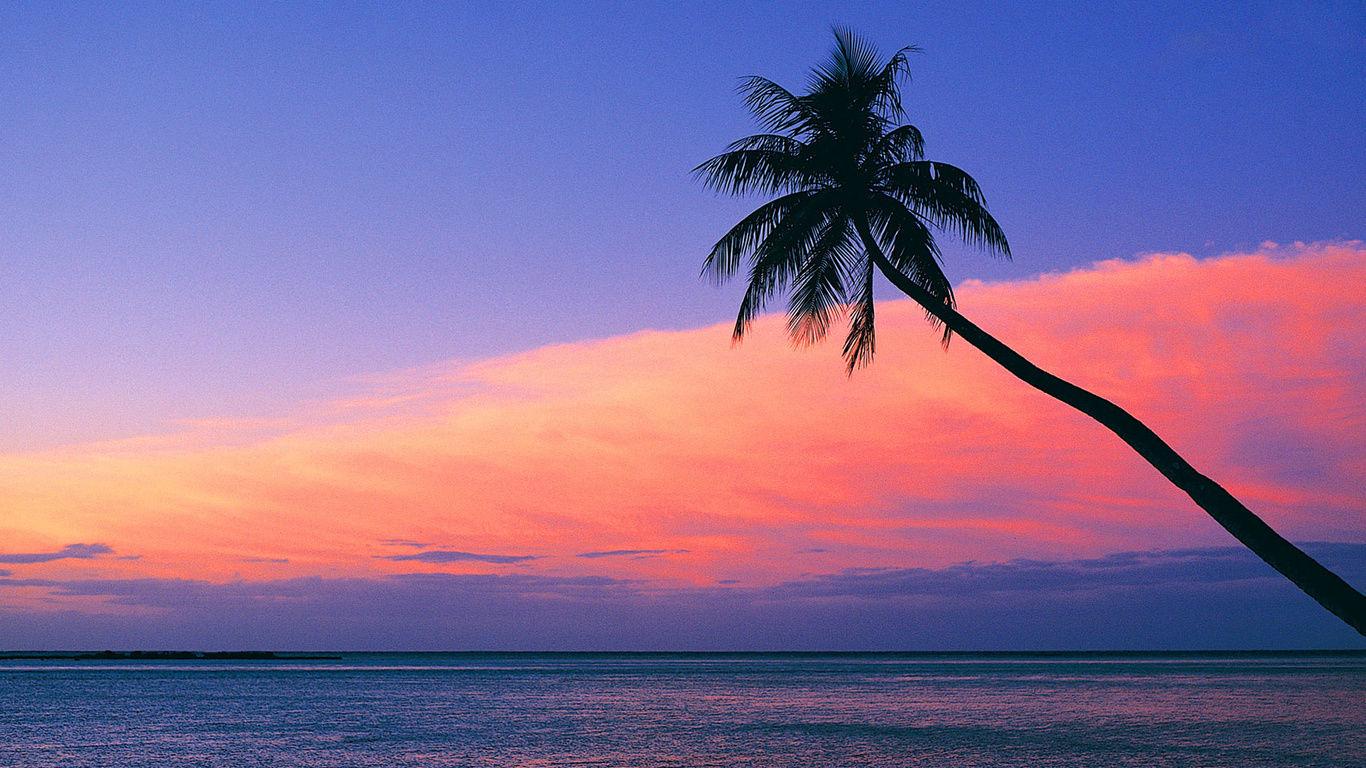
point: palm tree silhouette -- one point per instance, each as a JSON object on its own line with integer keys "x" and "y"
{"x": 856, "y": 197}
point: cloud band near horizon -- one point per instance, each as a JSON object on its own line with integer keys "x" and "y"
{"x": 671, "y": 460}
{"x": 1191, "y": 599}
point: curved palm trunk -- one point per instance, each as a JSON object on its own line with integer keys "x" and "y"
{"x": 1318, "y": 582}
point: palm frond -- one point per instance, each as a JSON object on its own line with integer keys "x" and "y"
{"x": 888, "y": 92}
{"x": 948, "y": 197}
{"x": 860, "y": 343}
{"x": 818, "y": 293}
{"x": 853, "y": 60}
{"x": 742, "y": 171}
{"x": 855, "y": 84}
{"x": 780, "y": 255}
{"x": 769, "y": 142}
{"x": 773, "y": 106}
{"x": 902, "y": 144}
{"x": 745, "y": 237}
{"x": 911, "y": 248}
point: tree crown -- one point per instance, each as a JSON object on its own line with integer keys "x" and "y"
{"x": 853, "y": 192}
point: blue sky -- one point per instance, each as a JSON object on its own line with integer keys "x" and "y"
{"x": 216, "y": 209}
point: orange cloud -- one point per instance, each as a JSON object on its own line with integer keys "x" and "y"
{"x": 700, "y": 462}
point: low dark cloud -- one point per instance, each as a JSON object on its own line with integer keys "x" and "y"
{"x": 1209, "y": 598}
{"x": 5, "y": 582}
{"x": 633, "y": 553}
{"x": 73, "y": 551}
{"x": 405, "y": 543}
{"x": 1209, "y": 565}
{"x": 176, "y": 593}
{"x": 449, "y": 556}
{"x": 523, "y": 585}
{"x": 265, "y": 559}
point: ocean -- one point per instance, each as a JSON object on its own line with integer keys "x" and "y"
{"x": 693, "y": 710}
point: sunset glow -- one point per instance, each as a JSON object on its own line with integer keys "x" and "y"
{"x": 673, "y": 461}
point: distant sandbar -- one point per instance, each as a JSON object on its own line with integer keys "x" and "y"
{"x": 167, "y": 656}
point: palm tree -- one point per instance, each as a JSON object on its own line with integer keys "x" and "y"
{"x": 855, "y": 197}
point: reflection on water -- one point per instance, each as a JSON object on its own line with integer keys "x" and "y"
{"x": 689, "y": 710}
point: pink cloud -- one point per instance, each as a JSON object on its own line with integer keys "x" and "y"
{"x": 761, "y": 463}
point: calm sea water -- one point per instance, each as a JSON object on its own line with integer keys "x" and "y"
{"x": 688, "y": 710}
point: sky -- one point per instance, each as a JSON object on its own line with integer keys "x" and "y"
{"x": 379, "y": 326}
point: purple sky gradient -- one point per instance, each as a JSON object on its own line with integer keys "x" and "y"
{"x": 215, "y": 210}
